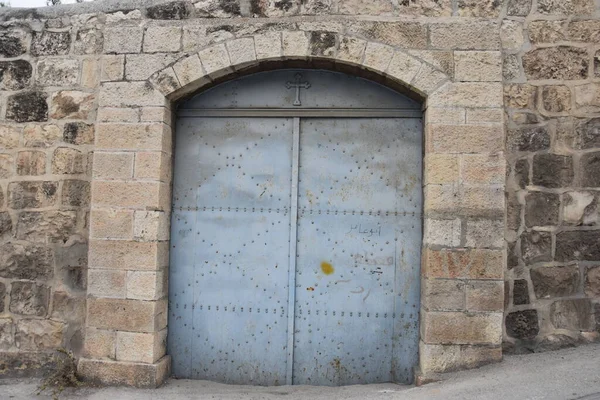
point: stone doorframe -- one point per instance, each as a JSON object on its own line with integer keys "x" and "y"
{"x": 463, "y": 247}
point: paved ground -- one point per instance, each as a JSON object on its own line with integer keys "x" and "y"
{"x": 561, "y": 375}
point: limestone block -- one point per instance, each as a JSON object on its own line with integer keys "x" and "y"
{"x": 241, "y": 52}
{"x": 522, "y": 324}
{"x": 577, "y": 245}
{"x": 75, "y": 193}
{"x": 47, "y": 43}
{"x": 566, "y": 7}
{"x": 107, "y": 283}
{"x": 127, "y": 315}
{"x": 166, "y": 81}
{"x": 215, "y": 61}
{"x": 351, "y": 49}
{"x": 32, "y": 194}
{"x": 479, "y": 8}
{"x": 520, "y": 95}
{"x": 552, "y": 170}
{"x": 127, "y": 255}
{"x": 468, "y": 94}
{"x": 113, "y": 165}
{"x": 268, "y": 45}
{"x": 41, "y": 135}
{"x": 445, "y": 115}
{"x": 590, "y": 167}
{"x": 405, "y": 35}
{"x": 113, "y": 68}
{"x": 435, "y": 358}
{"x": 556, "y": 99}
{"x": 485, "y": 233}
{"x": 88, "y": 41}
{"x": 561, "y": 62}
{"x": 587, "y": 98}
{"x": 464, "y": 263}
{"x": 377, "y": 56}
{"x": 68, "y": 308}
{"x": 135, "y": 195}
{"x": 125, "y": 373}
{"x": 100, "y": 343}
{"x": 536, "y": 246}
{"x": 15, "y": 75}
{"x": 90, "y": 73}
{"x": 461, "y": 328}
{"x": 546, "y": 31}
{"x": 58, "y": 72}
{"x": 146, "y": 285}
{"x": 555, "y": 281}
{"x": 428, "y": 79}
{"x": 322, "y": 44}
{"x": 6, "y": 166}
{"x": 156, "y": 114}
{"x": 25, "y": 261}
{"x": 29, "y": 298}
{"x": 46, "y": 226}
{"x": 31, "y": 163}
{"x": 141, "y": 347}
{"x": 465, "y": 35}
{"x": 592, "y": 281}
{"x": 294, "y": 44}
{"x": 169, "y": 11}
{"x": 485, "y": 115}
{"x": 483, "y": 168}
{"x": 125, "y": 94}
{"x": 443, "y": 295}
{"x": 148, "y": 136}
{"x": 68, "y": 161}
{"x": 528, "y": 139}
{"x": 518, "y": 8}
{"x": 189, "y": 70}
{"x": 580, "y": 208}
{"x": 511, "y": 68}
{"x": 123, "y": 39}
{"x": 111, "y": 224}
{"x": 70, "y": 104}
{"x": 78, "y": 133}
{"x": 27, "y": 106}
{"x": 584, "y": 31}
{"x": 153, "y": 165}
{"x": 113, "y": 114}
{"x": 13, "y": 42}
{"x": 151, "y": 225}
{"x": 365, "y": 7}
{"x": 442, "y": 232}
{"x": 139, "y": 67}
{"x": 511, "y": 35}
{"x": 227, "y": 8}
{"x": 39, "y": 334}
{"x": 7, "y": 338}
{"x": 478, "y": 66}
{"x": 162, "y": 39}
{"x": 541, "y": 209}
{"x": 6, "y": 227}
{"x": 573, "y": 314}
{"x": 10, "y": 137}
{"x": 485, "y": 296}
{"x": 466, "y": 138}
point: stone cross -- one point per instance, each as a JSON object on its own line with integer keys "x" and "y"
{"x": 298, "y": 84}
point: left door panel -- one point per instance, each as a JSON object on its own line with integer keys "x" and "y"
{"x": 230, "y": 233}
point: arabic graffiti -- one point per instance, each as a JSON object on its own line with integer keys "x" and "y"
{"x": 365, "y": 231}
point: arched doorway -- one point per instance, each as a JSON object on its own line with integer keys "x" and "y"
{"x": 296, "y": 232}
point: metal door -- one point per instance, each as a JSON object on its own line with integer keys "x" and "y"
{"x": 295, "y": 238}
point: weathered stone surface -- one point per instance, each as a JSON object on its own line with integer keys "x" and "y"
{"x": 556, "y": 98}
{"x": 46, "y": 226}
{"x": 587, "y": 133}
{"x": 6, "y": 166}
{"x": 592, "y": 281}
{"x": 522, "y": 324}
{"x": 580, "y": 208}
{"x": 485, "y": 296}
{"x": 512, "y": 35}
{"x": 519, "y": 95}
{"x": 75, "y": 193}
{"x": 68, "y": 308}
{"x": 3, "y": 324}
{"x": 587, "y": 98}
{"x": 128, "y": 315}
{"x": 466, "y": 35}
{"x": 25, "y": 261}
{"x": 68, "y": 161}
{"x": 6, "y": 225}
{"x": 440, "y": 295}
{"x": 162, "y": 39}
{"x": 565, "y": 6}
{"x": 478, "y": 66}
{"x": 461, "y": 328}
{"x": 15, "y": 75}
{"x": 555, "y": 281}
{"x": 125, "y": 373}
{"x": 520, "y": 292}
{"x": 522, "y": 172}
{"x": 88, "y": 41}
{"x": 322, "y": 43}
{"x": 376, "y": 7}
{"x": 32, "y": 194}
{"x": 573, "y": 314}
{"x": 27, "y": 107}
{"x": 409, "y": 35}
{"x": 561, "y": 62}
{"x": 541, "y": 209}
{"x": 35, "y": 135}
{"x": 511, "y": 67}
{"x": 7, "y": 337}
{"x": 141, "y": 66}
{"x": 484, "y": 233}
{"x": 578, "y": 245}
{"x": 58, "y": 72}
{"x": 479, "y": 8}
{"x": 12, "y": 42}
{"x": 528, "y": 139}
{"x": 125, "y": 39}
{"x": 169, "y": 11}
{"x": 518, "y": 8}
{"x": 464, "y": 263}
{"x": 72, "y": 104}
{"x": 29, "y": 298}
{"x": 536, "y": 246}
{"x": 546, "y": 31}
{"x": 78, "y": 133}
{"x": 555, "y": 342}
{"x": 552, "y": 170}
{"x": 39, "y": 334}
{"x": 48, "y": 43}
{"x": 31, "y": 163}
{"x": 590, "y": 167}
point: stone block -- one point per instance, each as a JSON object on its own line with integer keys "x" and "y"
{"x": 127, "y": 255}
{"x": 464, "y": 263}
{"x": 127, "y": 94}
{"x": 445, "y": 116}
{"x": 428, "y": 79}
{"x": 125, "y": 373}
{"x": 75, "y": 193}
{"x": 6, "y": 226}
{"x": 520, "y": 96}
{"x": 483, "y": 168}
{"x": 113, "y": 165}
{"x": 139, "y": 67}
{"x": 139, "y": 137}
{"x": 113, "y": 68}
{"x": 520, "y": 292}
{"x": 88, "y": 41}
{"x": 484, "y": 115}
{"x": 511, "y": 67}
{"x": 551, "y": 282}
{"x": 68, "y": 161}
{"x": 590, "y": 167}
{"x": 47, "y": 43}
{"x": 13, "y": 42}
{"x": 7, "y": 338}
{"x": 536, "y": 246}
{"x": 141, "y": 347}
{"x": 107, "y": 283}
{"x": 580, "y": 208}
{"x": 435, "y": 358}
{"x": 26, "y": 261}
{"x": 577, "y": 245}
{"x": 360, "y": 7}
{"x": 541, "y": 209}
{"x": 575, "y": 314}
{"x": 31, "y": 163}
{"x": 242, "y": 53}
{"x": 592, "y": 281}
{"x": 561, "y": 63}
{"x": 528, "y": 139}
{"x": 3, "y": 324}
{"x": 156, "y": 114}
{"x": 41, "y": 135}
{"x": 78, "y": 133}
{"x": 478, "y": 66}
{"x": 58, "y": 72}
{"x": 479, "y": 8}
{"x": 587, "y": 98}
{"x": 556, "y": 99}
{"x": 565, "y": 7}
{"x": 29, "y": 298}
{"x": 461, "y": 328}
{"x": 352, "y": 50}
{"x": 30, "y": 106}
{"x": 162, "y": 39}
{"x": 443, "y": 295}
{"x": 153, "y": 165}
{"x": 134, "y": 195}
{"x": 90, "y": 73}
{"x": 175, "y": 10}
{"x": 442, "y": 232}
{"x": 100, "y": 343}
{"x": 127, "y": 315}
{"x": 113, "y": 114}
{"x": 268, "y": 45}
{"x": 6, "y": 166}
{"x": 215, "y": 61}
{"x": 146, "y": 285}
{"x": 165, "y": 81}
{"x": 465, "y": 35}
{"x": 522, "y": 324}
{"x": 485, "y": 296}
{"x": 407, "y": 35}
{"x": 15, "y": 75}
{"x": 123, "y": 39}
{"x": 552, "y": 170}
{"x": 468, "y": 94}
{"x": 111, "y": 224}
{"x": 518, "y": 8}
{"x": 294, "y": 44}
{"x": 151, "y": 225}
{"x": 39, "y": 334}
{"x": 485, "y": 233}
{"x": 10, "y": 136}
{"x": 46, "y": 226}
{"x": 32, "y": 194}
{"x": 69, "y": 104}
{"x": 466, "y": 138}
{"x": 189, "y": 70}
{"x": 544, "y": 31}
{"x": 584, "y": 30}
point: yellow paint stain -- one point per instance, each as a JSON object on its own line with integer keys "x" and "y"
{"x": 327, "y": 268}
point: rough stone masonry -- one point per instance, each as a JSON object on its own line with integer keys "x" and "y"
{"x": 511, "y": 253}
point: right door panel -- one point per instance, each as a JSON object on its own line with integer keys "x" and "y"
{"x": 358, "y": 251}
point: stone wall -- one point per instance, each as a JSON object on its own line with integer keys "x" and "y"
{"x": 101, "y": 77}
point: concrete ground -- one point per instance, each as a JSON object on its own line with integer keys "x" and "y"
{"x": 562, "y": 375}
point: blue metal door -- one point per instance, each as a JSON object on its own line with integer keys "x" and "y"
{"x": 296, "y": 233}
